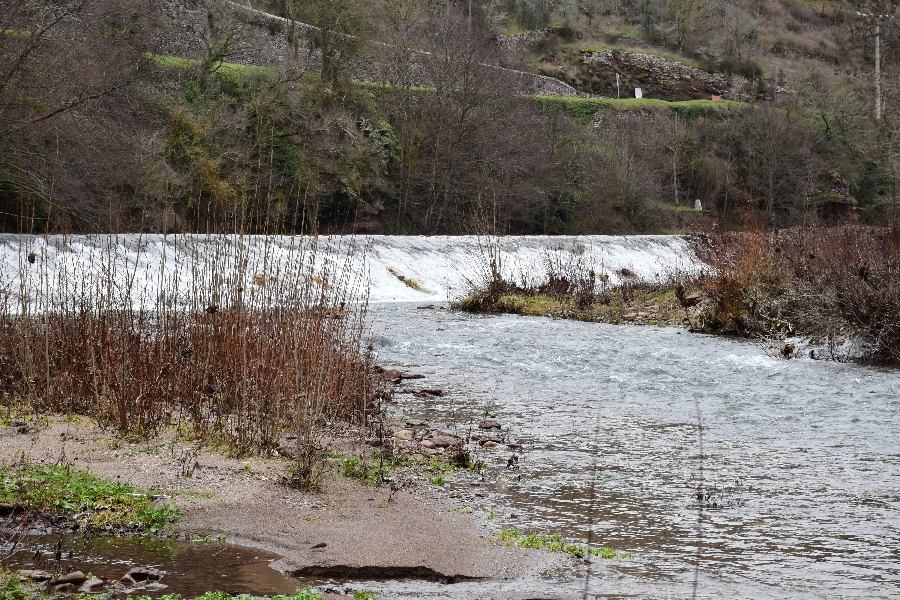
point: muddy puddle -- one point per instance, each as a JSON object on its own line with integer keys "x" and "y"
{"x": 187, "y": 568}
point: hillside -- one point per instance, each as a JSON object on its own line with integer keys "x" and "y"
{"x": 405, "y": 117}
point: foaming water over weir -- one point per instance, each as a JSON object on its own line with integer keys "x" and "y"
{"x": 387, "y": 268}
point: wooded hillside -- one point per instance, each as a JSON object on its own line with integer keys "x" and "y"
{"x": 417, "y": 116}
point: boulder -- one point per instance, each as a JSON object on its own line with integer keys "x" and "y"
{"x": 404, "y": 434}
{"x": 427, "y": 444}
{"x": 90, "y": 586}
{"x": 487, "y": 425}
{"x": 65, "y": 588}
{"x": 430, "y": 393}
{"x": 484, "y": 441}
{"x": 155, "y": 586}
{"x": 444, "y": 440}
{"x": 75, "y": 578}
{"x": 489, "y": 444}
{"x": 287, "y": 450}
{"x": 392, "y": 375}
{"x": 140, "y": 575}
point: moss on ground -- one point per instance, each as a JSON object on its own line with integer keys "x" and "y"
{"x": 554, "y": 543}
{"x": 96, "y": 503}
{"x": 584, "y": 109}
{"x": 15, "y": 587}
{"x": 623, "y": 305}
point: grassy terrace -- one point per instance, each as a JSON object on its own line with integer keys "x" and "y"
{"x": 581, "y": 109}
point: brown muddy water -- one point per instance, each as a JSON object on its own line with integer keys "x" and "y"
{"x": 189, "y": 568}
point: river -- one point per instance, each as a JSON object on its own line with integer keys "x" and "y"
{"x": 801, "y": 458}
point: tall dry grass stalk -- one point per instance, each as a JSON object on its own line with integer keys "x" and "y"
{"x": 837, "y": 286}
{"x": 561, "y": 273}
{"x": 232, "y": 339}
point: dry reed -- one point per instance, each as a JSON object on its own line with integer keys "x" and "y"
{"x": 232, "y": 339}
{"x": 837, "y": 286}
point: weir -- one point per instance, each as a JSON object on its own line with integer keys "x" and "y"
{"x": 140, "y": 268}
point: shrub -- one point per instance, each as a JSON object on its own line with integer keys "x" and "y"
{"x": 831, "y": 284}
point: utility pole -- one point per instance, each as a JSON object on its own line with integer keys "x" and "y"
{"x": 878, "y": 68}
{"x": 879, "y": 104}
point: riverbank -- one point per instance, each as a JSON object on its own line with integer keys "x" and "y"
{"x": 653, "y": 305}
{"x": 833, "y": 290}
{"x": 349, "y": 531}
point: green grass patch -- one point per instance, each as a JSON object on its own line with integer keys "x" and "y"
{"x": 554, "y": 543}
{"x": 225, "y": 69}
{"x": 64, "y": 490}
{"x": 13, "y": 588}
{"x": 408, "y": 281}
{"x": 583, "y": 109}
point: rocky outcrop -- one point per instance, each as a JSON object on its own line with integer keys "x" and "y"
{"x": 657, "y": 77}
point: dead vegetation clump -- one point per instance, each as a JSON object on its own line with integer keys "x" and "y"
{"x": 567, "y": 285}
{"x": 213, "y": 353}
{"x": 833, "y": 285}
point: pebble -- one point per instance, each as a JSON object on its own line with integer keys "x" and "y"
{"x": 404, "y": 434}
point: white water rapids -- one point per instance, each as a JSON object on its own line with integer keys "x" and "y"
{"x": 141, "y": 267}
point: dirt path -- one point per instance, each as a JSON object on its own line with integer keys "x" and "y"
{"x": 349, "y": 530}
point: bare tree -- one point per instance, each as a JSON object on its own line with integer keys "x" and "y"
{"x": 61, "y": 64}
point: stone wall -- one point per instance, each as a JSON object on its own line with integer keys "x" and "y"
{"x": 258, "y": 38}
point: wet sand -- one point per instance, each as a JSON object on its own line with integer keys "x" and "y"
{"x": 346, "y": 531}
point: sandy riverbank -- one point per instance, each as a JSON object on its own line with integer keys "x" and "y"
{"x": 347, "y": 531}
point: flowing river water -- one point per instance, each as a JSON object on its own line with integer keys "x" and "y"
{"x": 800, "y": 460}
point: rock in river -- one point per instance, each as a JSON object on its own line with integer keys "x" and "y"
{"x": 486, "y": 425}
{"x": 140, "y": 575}
{"x": 75, "y": 578}
{"x": 444, "y": 440}
{"x": 404, "y": 434}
